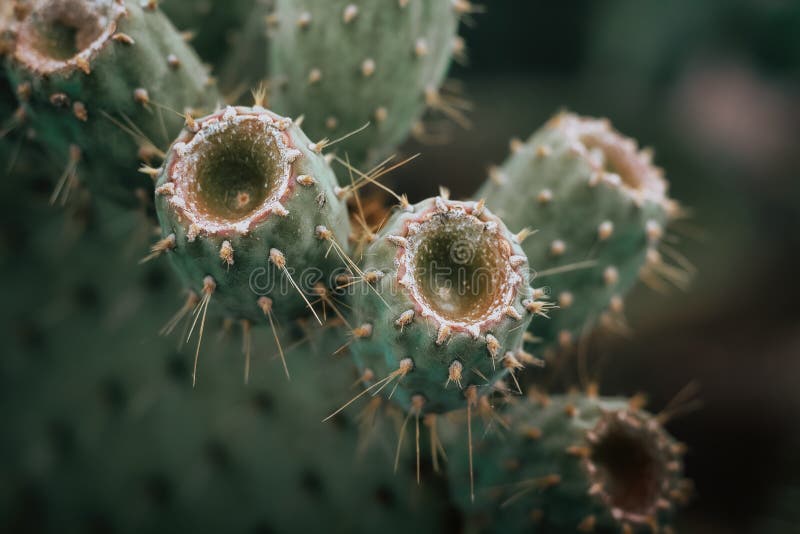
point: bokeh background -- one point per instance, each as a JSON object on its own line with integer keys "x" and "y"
{"x": 714, "y": 87}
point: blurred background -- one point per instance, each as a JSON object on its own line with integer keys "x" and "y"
{"x": 714, "y": 87}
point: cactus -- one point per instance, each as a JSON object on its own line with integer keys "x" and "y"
{"x": 245, "y": 64}
{"x": 244, "y": 201}
{"x": 211, "y": 24}
{"x": 572, "y": 463}
{"x": 102, "y": 428}
{"x": 448, "y": 303}
{"x": 599, "y": 208}
{"x": 106, "y": 84}
{"x": 342, "y": 64}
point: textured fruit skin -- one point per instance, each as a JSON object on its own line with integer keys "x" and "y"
{"x": 103, "y": 429}
{"x": 580, "y": 212}
{"x": 393, "y": 336}
{"x": 251, "y": 273}
{"x": 546, "y": 450}
{"x": 147, "y": 75}
{"x": 375, "y": 61}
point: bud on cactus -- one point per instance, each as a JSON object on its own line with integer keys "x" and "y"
{"x": 572, "y": 464}
{"x": 344, "y": 63}
{"x": 109, "y": 78}
{"x": 442, "y": 303}
{"x": 246, "y": 204}
{"x": 599, "y": 208}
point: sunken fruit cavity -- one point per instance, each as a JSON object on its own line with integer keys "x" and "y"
{"x": 344, "y": 63}
{"x": 442, "y": 304}
{"x": 572, "y": 463}
{"x": 599, "y": 208}
{"x": 248, "y": 212}
{"x": 105, "y": 84}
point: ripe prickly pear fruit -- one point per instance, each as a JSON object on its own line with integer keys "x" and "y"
{"x": 344, "y": 63}
{"x": 106, "y": 84}
{"x": 442, "y": 304}
{"x": 247, "y": 209}
{"x": 573, "y": 463}
{"x": 599, "y": 208}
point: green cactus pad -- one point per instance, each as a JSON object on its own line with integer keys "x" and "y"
{"x": 212, "y": 24}
{"x": 448, "y": 304}
{"x": 103, "y": 431}
{"x": 106, "y": 83}
{"x": 344, "y": 63}
{"x": 246, "y": 207}
{"x": 571, "y": 463}
{"x": 599, "y": 208}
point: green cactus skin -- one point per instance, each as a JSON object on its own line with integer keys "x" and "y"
{"x": 571, "y": 463}
{"x": 245, "y": 64}
{"x": 19, "y": 154}
{"x": 87, "y": 67}
{"x": 102, "y": 429}
{"x": 343, "y": 63}
{"x": 591, "y": 196}
{"x": 213, "y": 24}
{"x": 448, "y": 302}
{"x": 242, "y": 197}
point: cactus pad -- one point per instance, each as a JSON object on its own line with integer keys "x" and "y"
{"x": 343, "y": 64}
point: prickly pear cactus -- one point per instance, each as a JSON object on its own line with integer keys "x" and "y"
{"x": 247, "y": 206}
{"x": 344, "y": 63}
{"x": 104, "y": 431}
{"x": 571, "y": 463}
{"x": 245, "y": 63}
{"x": 106, "y": 428}
{"x": 443, "y": 304}
{"x": 599, "y": 208}
{"x": 106, "y": 83}
{"x": 212, "y": 26}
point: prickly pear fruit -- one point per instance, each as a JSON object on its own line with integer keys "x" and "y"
{"x": 248, "y": 212}
{"x": 599, "y": 208}
{"x": 571, "y": 463}
{"x": 441, "y": 304}
{"x": 106, "y": 84}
